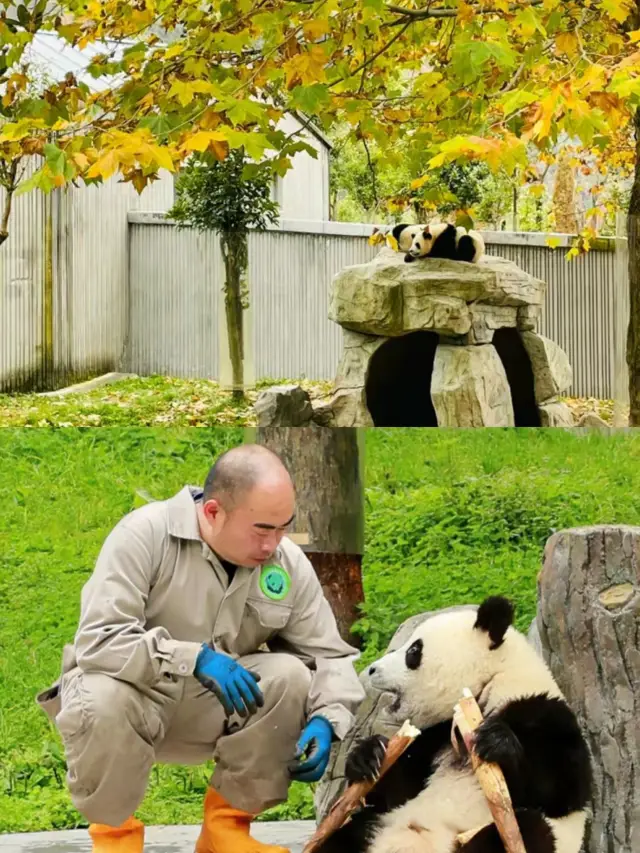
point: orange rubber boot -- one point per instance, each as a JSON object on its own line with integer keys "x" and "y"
{"x": 226, "y": 830}
{"x": 126, "y": 838}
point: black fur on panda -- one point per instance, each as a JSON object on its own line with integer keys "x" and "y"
{"x": 442, "y": 240}
{"x": 430, "y": 794}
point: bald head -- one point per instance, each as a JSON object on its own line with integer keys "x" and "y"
{"x": 247, "y": 506}
{"x": 240, "y": 470}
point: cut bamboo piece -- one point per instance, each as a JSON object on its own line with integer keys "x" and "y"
{"x": 355, "y": 794}
{"x": 467, "y": 717}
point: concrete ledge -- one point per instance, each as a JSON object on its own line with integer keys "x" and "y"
{"x": 158, "y": 839}
{"x": 358, "y": 229}
{"x": 89, "y": 385}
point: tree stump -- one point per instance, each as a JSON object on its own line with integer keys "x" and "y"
{"x": 588, "y": 619}
{"x": 324, "y": 464}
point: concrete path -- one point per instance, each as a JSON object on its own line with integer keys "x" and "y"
{"x": 89, "y": 385}
{"x": 158, "y": 839}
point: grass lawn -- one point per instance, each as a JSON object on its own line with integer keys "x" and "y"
{"x": 150, "y": 401}
{"x": 451, "y": 515}
{"x": 165, "y": 401}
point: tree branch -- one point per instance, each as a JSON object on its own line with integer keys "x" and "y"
{"x": 423, "y": 14}
{"x": 375, "y": 55}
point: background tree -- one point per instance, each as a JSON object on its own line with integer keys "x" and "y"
{"x": 229, "y": 197}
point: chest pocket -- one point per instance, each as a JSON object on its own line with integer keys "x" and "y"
{"x": 261, "y": 620}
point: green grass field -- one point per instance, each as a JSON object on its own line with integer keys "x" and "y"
{"x": 168, "y": 401}
{"x": 142, "y": 401}
{"x": 451, "y": 516}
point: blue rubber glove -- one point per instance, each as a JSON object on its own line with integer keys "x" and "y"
{"x": 315, "y": 742}
{"x": 236, "y": 687}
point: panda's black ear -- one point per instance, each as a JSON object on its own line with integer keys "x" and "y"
{"x": 495, "y": 614}
{"x": 426, "y": 234}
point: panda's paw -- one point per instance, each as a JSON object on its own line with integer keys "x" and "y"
{"x": 497, "y": 743}
{"x": 409, "y": 259}
{"x": 364, "y": 761}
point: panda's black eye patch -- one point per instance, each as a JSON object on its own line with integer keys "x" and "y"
{"x": 413, "y": 657}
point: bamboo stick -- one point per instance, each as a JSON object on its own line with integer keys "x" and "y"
{"x": 355, "y": 794}
{"x": 467, "y": 717}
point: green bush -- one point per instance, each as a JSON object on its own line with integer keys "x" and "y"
{"x": 454, "y": 515}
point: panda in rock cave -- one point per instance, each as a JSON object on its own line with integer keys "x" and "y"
{"x": 431, "y": 794}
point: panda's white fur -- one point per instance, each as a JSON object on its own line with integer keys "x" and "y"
{"x": 443, "y": 240}
{"x": 455, "y": 656}
{"x": 404, "y": 235}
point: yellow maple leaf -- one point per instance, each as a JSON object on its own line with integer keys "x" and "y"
{"x": 308, "y": 67}
{"x": 567, "y": 43}
{"x": 315, "y": 29}
{"x": 81, "y": 160}
{"x": 419, "y": 182}
{"x": 391, "y": 241}
{"x": 466, "y": 13}
{"x": 202, "y": 139}
{"x": 105, "y": 166}
{"x": 162, "y": 157}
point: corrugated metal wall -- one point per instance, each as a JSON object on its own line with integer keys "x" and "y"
{"x": 175, "y": 277}
{"x": 86, "y": 325}
{"x": 21, "y": 292}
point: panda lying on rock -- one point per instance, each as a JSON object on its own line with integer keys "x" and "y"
{"x": 439, "y": 240}
{"x": 430, "y": 794}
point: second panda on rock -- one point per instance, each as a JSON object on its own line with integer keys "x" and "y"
{"x": 439, "y": 240}
{"x": 431, "y": 794}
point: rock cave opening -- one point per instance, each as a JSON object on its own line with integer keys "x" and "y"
{"x": 517, "y": 365}
{"x": 399, "y": 381}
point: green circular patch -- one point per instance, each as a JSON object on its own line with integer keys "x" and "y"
{"x": 275, "y": 582}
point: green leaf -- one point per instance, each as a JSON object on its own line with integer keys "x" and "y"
{"x": 35, "y": 182}
{"x": 23, "y": 16}
{"x": 465, "y": 221}
{"x": 310, "y": 98}
{"x": 159, "y": 125}
{"x": 55, "y": 158}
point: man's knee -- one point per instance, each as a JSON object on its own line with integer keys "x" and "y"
{"x": 284, "y": 675}
{"x": 105, "y": 705}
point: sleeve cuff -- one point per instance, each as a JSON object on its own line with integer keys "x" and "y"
{"x": 341, "y": 720}
{"x": 180, "y": 657}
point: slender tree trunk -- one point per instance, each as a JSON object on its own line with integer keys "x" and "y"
{"x": 10, "y": 188}
{"x": 564, "y": 197}
{"x": 234, "y": 253}
{"x": 633, "y": 333}
{"x": 324, "y": 464}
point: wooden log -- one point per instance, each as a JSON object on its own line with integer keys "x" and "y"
{"x": 355, "y": 794}
{"x": 588, "y": 619}
{"x": 467, "y": 717}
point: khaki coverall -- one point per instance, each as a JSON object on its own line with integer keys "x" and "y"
{"x": 127, "y": 696}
